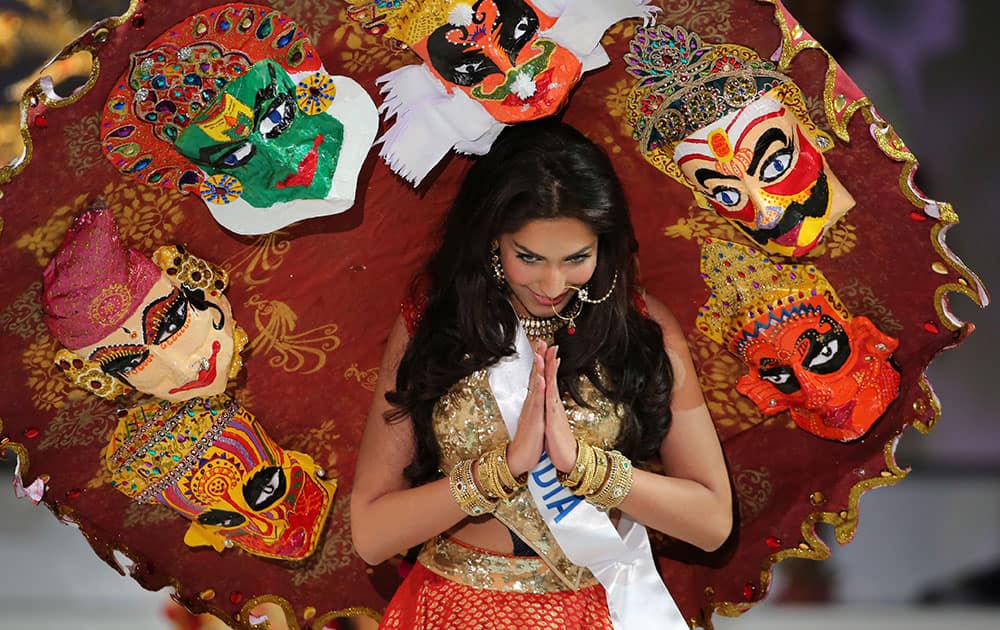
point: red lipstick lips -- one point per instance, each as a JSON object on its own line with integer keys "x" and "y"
{"x": 205, "y": 377}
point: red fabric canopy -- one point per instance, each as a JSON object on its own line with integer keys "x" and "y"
{"x": 318, "y": 298}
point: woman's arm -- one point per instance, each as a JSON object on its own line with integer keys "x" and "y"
{"x": 693, "y": 502}
{"x": 387, "y": 515}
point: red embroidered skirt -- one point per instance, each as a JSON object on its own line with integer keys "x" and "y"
{"x": 426, "y": 600}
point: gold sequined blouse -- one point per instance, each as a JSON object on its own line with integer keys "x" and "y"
{"x": 468, "y": 423}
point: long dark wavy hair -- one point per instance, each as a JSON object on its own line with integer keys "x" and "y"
{"x": 540, "y": 170}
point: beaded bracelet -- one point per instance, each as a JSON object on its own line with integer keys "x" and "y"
{"x": 466, "y": 492}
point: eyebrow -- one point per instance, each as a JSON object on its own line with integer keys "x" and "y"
{"x": 148, "y": 332}
{"x": 580, "y": 252}
{"x": 705, "y": 174}
{"x": 765, "y": 140}
{"x": 211, "y": 154}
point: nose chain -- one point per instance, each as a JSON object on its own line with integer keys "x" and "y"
{"x": 541, "y": 328}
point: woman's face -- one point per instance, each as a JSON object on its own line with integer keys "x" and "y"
{"x": 544, "y": 259}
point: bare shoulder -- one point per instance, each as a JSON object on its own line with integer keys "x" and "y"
{"x": 663, "y": 316}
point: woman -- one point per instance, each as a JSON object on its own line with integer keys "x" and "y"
{"x": 538, "y": 240}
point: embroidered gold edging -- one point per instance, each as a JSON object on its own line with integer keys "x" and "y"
{"x": 21, "y": 453}
{"x": 241, "y": 621}
{"x": 968, "y": 283}
{"x": 844, "y": 523}
{"x": 920, "y": 407}
{"x": 35, "y": 94}
{"x": 833, "y": 104}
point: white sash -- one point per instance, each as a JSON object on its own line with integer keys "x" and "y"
{"x": 621, "y": 558}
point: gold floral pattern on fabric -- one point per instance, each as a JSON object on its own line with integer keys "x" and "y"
{"x": 336, "y": 550}
{"x": 717, "y": 372}
{"x": 312, "y": 15}
{"x": 304, "y": 352}
{"x": 489, "y": 570}
{"x": 23, "y": 316}
{"x": 254, "y": 265}
{"x": 323, "y": 433}
{"x": 468, "y": 423}
{"x": 365, "y": 52}
{"x": 46, "y": 383}
{"x": 81, "y": 421}
{"x": 753, "y": 490}
{"x": 838, "y": 241}
{"x": 710, "y": 18}
{"x": 147, "y": 217}
{"x": 144, "y": 515}
{"x": 861, "y": 299}
{"x": 82, "y": 145}
{"x": 699, "y": 225}
{"x": 366, "y": 378}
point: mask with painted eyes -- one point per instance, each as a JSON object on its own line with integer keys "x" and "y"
{"x": 486, "y": 64}
{"x": 212, "y": 462}
{"x": 805, "y": 353}
{"x": 495, "y": 54}
{"x": 730, "y": 127}
{"x": 234, "y": 104}
{"x": 163, "y": 328}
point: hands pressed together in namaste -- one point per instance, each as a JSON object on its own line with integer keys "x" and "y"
{"x": 543, "y": 424}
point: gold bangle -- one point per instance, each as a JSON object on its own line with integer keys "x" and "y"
{"x": 619, "y": 483}
{"x": 503, "y": 467}
{"x": 489, "y": 477}
{"x": 584, "y": 459}
{"x": 595, "y": 476}
{"x": 466, "y": 492}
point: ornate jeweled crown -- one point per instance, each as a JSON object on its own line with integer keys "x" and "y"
{"x": 751, "y": 292}
{"x": 685, "y": 84}
{"x": 410, "y": 21}
{"x": 154, "y": 444}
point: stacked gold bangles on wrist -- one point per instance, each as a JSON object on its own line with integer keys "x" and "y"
{"x": 603, "y": 478}
{"x": 495, "y": 478}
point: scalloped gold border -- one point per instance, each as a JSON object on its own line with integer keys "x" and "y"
{"x": 35, "y": 94}
{"x": 845, "y": 522}
{"x": 32, "y": 96}
{"x": 845, "y": 525}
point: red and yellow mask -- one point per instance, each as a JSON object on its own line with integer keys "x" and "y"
{"x": 212, "y": 462}
{"x": 759, "y": 169}
{"x": 492, "y": 51}
{"x": 729, "y": 126}
{"x": 806, "y": 354}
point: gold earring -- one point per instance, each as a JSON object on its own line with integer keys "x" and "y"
{"x": 88, "y": 375}
{"x": 497, "y": 268}
{"x": 190, "y": 270}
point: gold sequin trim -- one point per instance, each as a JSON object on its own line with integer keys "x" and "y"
{"x": 479, "y": 568}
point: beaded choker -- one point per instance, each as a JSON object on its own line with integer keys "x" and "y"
{"x": 541, "y": 328}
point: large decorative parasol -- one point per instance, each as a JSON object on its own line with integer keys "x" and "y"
{"x": 318, "y": 298}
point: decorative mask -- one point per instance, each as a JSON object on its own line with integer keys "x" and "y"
{"x": 234, "y": 104}
{"x": 210, "y": 460}
{"x": 729, "y": 126}
{"x": 487, "y": 63}
{"x": 805, "y": 352}
{"x": 164, "y": 328}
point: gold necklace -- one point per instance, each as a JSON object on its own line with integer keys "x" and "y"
{"x": 541, "y": 328}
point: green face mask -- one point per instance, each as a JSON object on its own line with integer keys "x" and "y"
{"x": 255, "y": 132}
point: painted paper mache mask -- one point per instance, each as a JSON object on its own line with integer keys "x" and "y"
{"x": 235, "y": 105}
{"x": 211, "y": 461}
{"x": 805, "y": 352}
{"x": 127, "y": 322}
{"x": 165, "y": 329}
{"x": 487, "y": 64}
{"x": 725, "y": 123}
